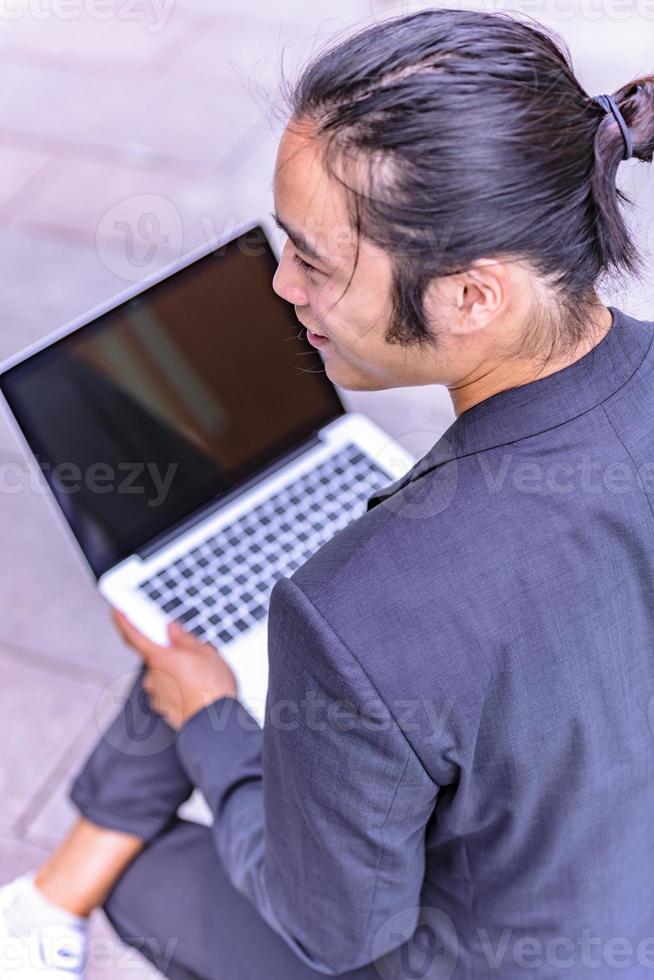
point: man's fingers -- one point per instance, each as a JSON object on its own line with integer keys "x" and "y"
{"x": 186, "y": 640}
{"x": 141, "y": 643}
{"x": 183, "y": 638}
{"x": 179, "y": 637}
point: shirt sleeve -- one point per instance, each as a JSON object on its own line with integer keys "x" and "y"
{"x": 319, "y": 818}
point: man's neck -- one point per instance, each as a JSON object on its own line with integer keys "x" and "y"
{"x": 514, "y": 374}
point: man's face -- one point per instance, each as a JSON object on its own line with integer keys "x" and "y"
{"x": 476, "y": 319}
{"x": 354, "y": 318}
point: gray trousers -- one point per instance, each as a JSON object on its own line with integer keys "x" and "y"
{"x": 174, "y": 902}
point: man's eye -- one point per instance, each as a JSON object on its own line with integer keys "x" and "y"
{"x": 302, "y": 264}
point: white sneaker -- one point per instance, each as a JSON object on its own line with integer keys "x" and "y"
{"x": 54, "y": 951}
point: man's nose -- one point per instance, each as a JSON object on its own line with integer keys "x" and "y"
{"x": 287, "y": 282}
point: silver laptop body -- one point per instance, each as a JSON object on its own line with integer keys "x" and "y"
{"x": 193, "y": 447}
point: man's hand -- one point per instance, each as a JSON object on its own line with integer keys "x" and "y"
{"x": 182, "y": 678}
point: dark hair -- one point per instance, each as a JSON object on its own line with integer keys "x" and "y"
{"x": 477, "y": 140}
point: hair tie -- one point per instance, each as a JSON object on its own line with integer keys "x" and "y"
{"x": 609, "y": 104}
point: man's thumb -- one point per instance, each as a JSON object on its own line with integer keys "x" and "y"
{"x": 182, "y": 637}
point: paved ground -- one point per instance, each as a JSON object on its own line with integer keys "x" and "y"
{"x": 160, "y": 107}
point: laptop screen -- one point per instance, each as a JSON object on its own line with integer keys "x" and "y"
{"x": 161, "y": 406}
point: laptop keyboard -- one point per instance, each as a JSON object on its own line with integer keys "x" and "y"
{"x": 222, "y": 587}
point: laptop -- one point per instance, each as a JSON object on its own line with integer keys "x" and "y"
{"x": 194, "y": 449}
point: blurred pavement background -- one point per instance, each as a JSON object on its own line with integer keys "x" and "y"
{"x": 115, "y": 109}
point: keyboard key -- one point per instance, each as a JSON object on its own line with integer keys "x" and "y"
{"x": 190, "y": 614}
{"x": 242, "y": 562}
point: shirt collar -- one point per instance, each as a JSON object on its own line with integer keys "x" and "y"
{"x": 518, "y": 413}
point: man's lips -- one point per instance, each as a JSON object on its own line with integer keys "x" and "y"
{"x": 316, "y": 339}
{"x": 309, "y": 330}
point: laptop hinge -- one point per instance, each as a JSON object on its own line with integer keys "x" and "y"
{"x": 199, "y": 515}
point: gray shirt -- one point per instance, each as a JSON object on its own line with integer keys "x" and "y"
{"x": 455, "y": 777}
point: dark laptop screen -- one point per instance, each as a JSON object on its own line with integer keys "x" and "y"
{"x": 161, "y": 406}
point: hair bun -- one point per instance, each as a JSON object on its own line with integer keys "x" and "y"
{"x": 636, "y": 103}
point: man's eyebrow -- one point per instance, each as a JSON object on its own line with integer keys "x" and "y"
{"x": 298, "y": 239}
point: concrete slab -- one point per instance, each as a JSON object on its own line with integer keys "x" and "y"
{"x": 295, "y": 10}
{"x": 50, "y": 814}
{"x": 18, "y": 165}
{"x": 89, "y": 36}
{"x": 57, "y": 102}
{"x": 47, "y": 282}
{"x": 151, "y": 119}
{"x": 49, "y": 605}
{"x": 253, "y": 48}
{"x": 94, "y": 201}
{"x": 193, "y": 120}
{"x": 42, "y": 709}
{"x": 17, "y": 857}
